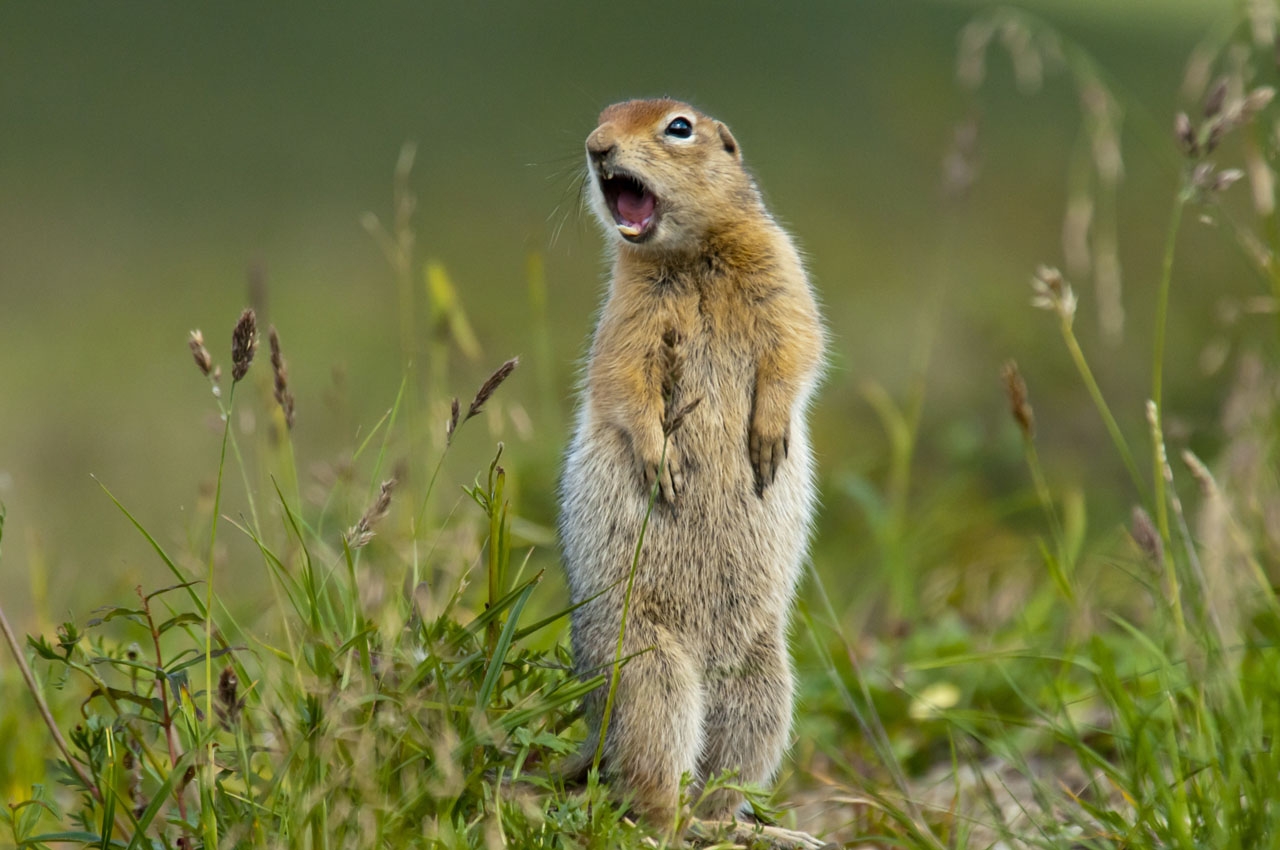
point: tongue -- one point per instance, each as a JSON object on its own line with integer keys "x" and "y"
{"x": 635, "y": 207}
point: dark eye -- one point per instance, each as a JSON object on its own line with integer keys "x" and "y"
{"x": 681, "y": 128}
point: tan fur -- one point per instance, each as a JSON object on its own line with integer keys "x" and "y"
{"x": 711, "y": 686}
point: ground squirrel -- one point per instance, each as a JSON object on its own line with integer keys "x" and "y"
{"x": 709, "y": 318}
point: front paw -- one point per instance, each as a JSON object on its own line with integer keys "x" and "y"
{"x": 767, "y": 449}
{"x": 665, "y": 470}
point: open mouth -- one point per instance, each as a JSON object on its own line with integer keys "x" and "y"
{"x": 633, "y": 206}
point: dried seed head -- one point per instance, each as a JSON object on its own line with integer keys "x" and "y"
{"x": 1202, "y": 175}
{"x": 670, "y": 366}
{"x": 244, "y": 342}
{"x": 362, "y": 532}
{"x": 491, "y": 385}
{"x": 1217, "y": 129}
{"x": 201, "y": 354}
{"x": 673, "y": 419}
{"x": 1185, "y": 134}
{"x": 452, "y": 424}
{"x": 1144, "y": 533}
{"x": 1225, "y": 179}
{"x": 1255, "y": 101}
{"x": 1216, "y": 97}
{"x": 1053, "y": 293}
{"x": 1016, "y": 390}
{"x": 1200, "y": 473}
{"x": 283, "y": 396}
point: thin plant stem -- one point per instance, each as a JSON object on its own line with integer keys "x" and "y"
{"x": 616, "y": 673}
{"x": 1062, "y": 566}
{"x": 497, "y": 545}
{"x": 43, "y": 707}
{"x": 170, "y": 734}
{"x": 1169, "y": 565}
{"x": 1086, "y": 374}
{"x": 1157, "y": 365}
{"x": 211, "y": 826}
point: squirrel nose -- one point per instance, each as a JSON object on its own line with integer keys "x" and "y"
{"x": 600, "y": 145}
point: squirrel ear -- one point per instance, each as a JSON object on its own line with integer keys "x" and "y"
{"x": 727, "y": 139}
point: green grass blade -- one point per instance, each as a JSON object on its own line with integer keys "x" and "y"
{"x": 485, "y": 694}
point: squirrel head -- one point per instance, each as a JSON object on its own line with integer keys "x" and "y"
{"x": 664, "y": 176}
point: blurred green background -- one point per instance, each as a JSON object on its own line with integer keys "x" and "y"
{"x": 151, "y": 153}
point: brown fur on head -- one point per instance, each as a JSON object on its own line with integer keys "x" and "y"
{"x": 664, "y": 175}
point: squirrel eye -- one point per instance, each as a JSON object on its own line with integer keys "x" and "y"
{"x": 681, "y": 128}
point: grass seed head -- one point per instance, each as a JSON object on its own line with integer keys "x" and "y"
{"x": 283, "y": 396}
{"x": 1225, "y": 179}
{"x": 675, "y": 418}
{"x": 1016, "y": 389}
{"x": 490, "y": 386}
{"x": 1255, "y": 101}
{"x": 201, "y": 354}
{"x": 1200, "y": 472}
{"x": 244, "y": 342}
{"x": 1218, "y": 129}
{"x": 452, "y": 424}
{"x": 1216, "y": 97}
{"x": 1053, "y": 293}
{"x": 1144, "y": 533}
{"x": 362, "y": 532}
{"x": 671, "y": 368}
{"x": 1186, "y": 135}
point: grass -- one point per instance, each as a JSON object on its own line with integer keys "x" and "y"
{"x": 1038, "y": 683}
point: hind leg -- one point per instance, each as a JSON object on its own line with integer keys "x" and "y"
{"x": 655, "y": 730}
{"x": 748, "y": 722}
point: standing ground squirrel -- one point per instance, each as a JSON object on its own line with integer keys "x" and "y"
{"x": 709, "y": 320}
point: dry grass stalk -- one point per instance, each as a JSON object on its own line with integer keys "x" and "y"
{"x": 490, "y": 386}
{"x": 244, "y": 343}
{"x": 362, "y": 532}
{"x": 1016, "y": 389}
{"x": 283, "y": 396}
